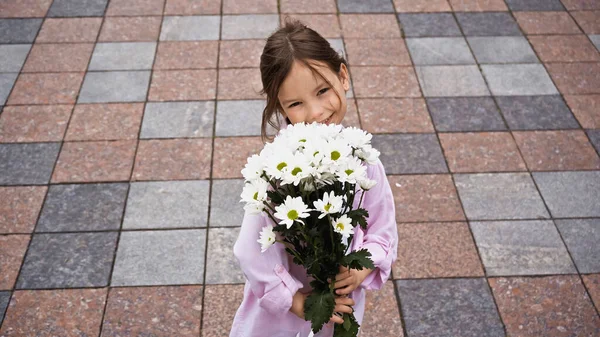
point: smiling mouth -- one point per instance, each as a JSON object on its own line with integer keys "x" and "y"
{"x": 326, "y": 121}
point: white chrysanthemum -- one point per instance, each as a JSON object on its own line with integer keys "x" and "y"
{"x": 367, "y": 184}
{"x": 254, "y": 168}
{"x": 335, "y": 151}
{"x": 329, "y": 204}
{"x": 255, "y": 191}
{"x": 298, "y": 169}
{"x": 313, "y": 152}
{"x": 278, "y": 163}
{"x": 343, "y": 225}
{"x": 357, "y": 138}
{"x": 351, "y": 171}
{"x": 292, "y": 210}
{"x": 267, "y": 238}
{"x": 368, "y": 154}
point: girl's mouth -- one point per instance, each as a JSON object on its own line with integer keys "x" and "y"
{"x": 328, "y": 120}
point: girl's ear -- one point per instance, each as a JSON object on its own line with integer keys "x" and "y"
{"x": 344, "y": 77}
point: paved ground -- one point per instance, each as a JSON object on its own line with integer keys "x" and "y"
{"x": 125, "y": 124}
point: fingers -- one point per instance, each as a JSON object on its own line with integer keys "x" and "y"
{"x": 342, "y": 305}
{"x": 336, "y": 319}
{"x": 343, "y": 275}
{"x": 344, "y": 301}
{"x": 345, "y": 282}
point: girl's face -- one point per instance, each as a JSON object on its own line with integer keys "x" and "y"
{"x": 306, "y": 97}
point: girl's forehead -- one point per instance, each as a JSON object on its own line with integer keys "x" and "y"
{"x": 302, "y": 78}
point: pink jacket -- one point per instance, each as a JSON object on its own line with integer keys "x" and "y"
{"x": 272, "y": 278}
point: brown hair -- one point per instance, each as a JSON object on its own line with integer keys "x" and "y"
{"x": 292, "y": 42}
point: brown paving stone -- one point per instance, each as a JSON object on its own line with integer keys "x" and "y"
{"x": 34, "y": 123}
{"x": 186, "y": 55}
{"x": 20, "y": 207}
{"x": 135, "y": 7}
{"x": 382, "y": 317}
{"x": 221, "y": 301}
{"x": 137, "y": 28}
{"x": 592, "y": 283}
{"x": 586, "y": 108}
{"x": 105, "y": 121}
{"x": 557, "y": 150}
{"x": 351, "y": 118}
{"x": 240, "y": 84}
{"x": 394, "y": 115}
{"x": 327, "y": 25}
{"x": 564, "y": 48}
{"x": 153, "y": 311}
{"x": 576, "y": 78}
{"x": 46, "y": 88}
{"x": 430, "y": 250}
{"x": 377, "y": 52}
{"x": 173, "y": 159}
{"x": 425, "y": 198}
{"x": 12, "y": 252}
{"x": 545, "y": 306}
{"x": 231, "y": 154}
{"x": 192, "y": 7}
{"x": 307, "y": 6}
{"x": 422, "y": 6}
{"x": 240, "y": 53}
{"x": 58, "y": 57}
{"x": 385, "y": 82}
{"x": 580, "y": 5}
{"x": 249, "y": 6}
{"x": 24, "y": 8}
{"x": 183, "y": 85}
{"x": 481, "y": 152}
{"x": 95, "y": 161}
{"x": 546, "y": 23}
{"x": 63, "y": 312}
{"x": 478, "y": 5}
{"x": 588, "y": 20}
{"x": 370, "y": 26}
{"x": 69, "y": 30}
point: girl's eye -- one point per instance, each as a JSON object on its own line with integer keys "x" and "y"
{"x": 322, "y": 91}
{"x": 293, "y": 104}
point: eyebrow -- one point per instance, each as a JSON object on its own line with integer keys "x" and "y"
{"x": 293, "y": 99}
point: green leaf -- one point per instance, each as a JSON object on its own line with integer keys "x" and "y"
{"x": 275, "y": 197}
{"x": 359, "y": 217}
{"x": 318, "y": 309}
{"x": 348, "y": 329}
{"x": 358, "y": 260}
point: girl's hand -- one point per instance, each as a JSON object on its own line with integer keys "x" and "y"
{"x": 298, "y": 304}
{"x": 349, "y": 279}
{"x": 342, "y": 305}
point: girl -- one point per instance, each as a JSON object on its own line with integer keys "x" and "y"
{"x": 304, "y": 80}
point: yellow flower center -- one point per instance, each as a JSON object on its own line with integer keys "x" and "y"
{"x": 281, "y": 166}
{"x": 335, "y": 155}
{"x": 327, "y": 207}
{"x": 296, "y": 170}
{"x": 349, "y": 171}
{"x": 255, "y": 196}
{"x": 292, "y": 215}
{"x": 339, "y": 226}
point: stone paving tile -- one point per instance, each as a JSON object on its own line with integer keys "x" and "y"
{"x": 575, "y": 5}
{"x": 193, "y": 7}
{"x": 518, "y": 79}
{"x": 6, "y": 84}
{"x": 254, "y": 26}
{"x": 69, "y": 30}
{"x": 183, "y": 85}
{"x": 4, "y": 299}
{"x": 394, "y": 115}
{"x": 34, "y": 123}
{"x": 186, "y": 55}
{"x": 594, "y": 136}
{"x": 153, "y": 311}
{"x": 123, "y": 56}
{"x": 432, "y": 250}
{"x": 114, "y": 86}
{"x": 502, "y": 49}
{"x": 240, "y": 53}
{"x": 129, "y": 29}
{"x": 481, "y": 152}
{"x": 160, "y": 258}
{"x": 19, "y": 208}
{"x": 377, "y": 52}
{"x": 178, "y": 120}
{"x": 588, "y": 20}
{"x": 545, "y": 306}
{"x": 478, "y": 5}
{"x": 570, "y": 194}
{"x": 382, "y": 316}
{"x": 422, "y": 6}
{"x": 167, "y": 204}
{"x": 19, "y": 30}
{"x": 68, "y": 260}
{"x": 595, "y": 40}
{"x": 173, "y": 159}
{"x": 576, "y": 78}
{"x": 439, "y": 51}
{"x": 222, "y": 266}
{"x": 410, "y": 153}
{"x": 326, "y": 24}
{"x": 535, "y": 5}
{"x": 385, "y": 82}
{"x": 358, "y": 6}
{"x": 224, "y": 301}
{"x": 425, "y": 198}
{"x": 581, "y": 237}
{"x": 352, "y": 119}
{"x": 135, "y": 7}
{"x": 12, "y": 251}
{"x": 58, "y": 57}
{"x": 490, "y": 196}
{"x": 369, "y": 26}
{"x": 249, "y": 6}
{"x": 592, "y": 282}
{"x": 536, "y": 112}
{"x": 546, "y": 23}
{"x": 95, "y": 161}
{"x": 521, "y": 248}
{"x": 239, "y": 84}
{"x": 465, "y": 114}
{"x": 46, "y": 88}
{"x": 225, "y": 210}
{"x": 190, "y": 28}
{"x": 488, "y": 24}
{"x": 564, "y": 48}
{"x": 27, "y": 164}
{"x": 449, "y": 307}
{"x": 462, "y": 80}
{"x": 429, "y": 24}
{"x": 239, "y": 118}
{"x": 62, "y": 312}
{"x": 64, "y": 8}
{"x": 105, "y": 121}
{"x": 307, "y": 6}
{"x": 83, "y": 207}
{"x": 231, "y": 154}
{"x": 12, "y": 56}
{"x": 24, "y": 9}
{"x": 338, "y": 46}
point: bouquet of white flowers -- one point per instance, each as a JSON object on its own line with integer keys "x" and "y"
{"x": 306, "y": 182}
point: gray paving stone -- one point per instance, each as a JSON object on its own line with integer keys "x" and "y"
{"x": 115, "y": 86}
{"x": 7, "y": 80}
{"x": 595, "y": 40}
{"x": 167, "y": 204}
{"x": 250, "y": 26}
{"x": 221, "y": 265}
{"x": 429, "y": 24}
{"x": 449, "y": 308}
{"x": 439, "y": 51}
{"x": 123, "y": 56}
{"x": 521, "y": 248}
{"x": 361, "y": 6}
{"x": 502, "y": 49}
{"x": 410, "y": 153}
{"x": 68, "y": 260}
{"x": 12, "y": 56}
{"x": 535, "y": 5}
{"x": 570, "y": 194}
{"x": 178, "y": 119}
{"x": 338, "y": 45}
{"x": 595, "y": 138}
{"x": 465, "y": 114}
{"x": 19, "y": 30}
{"x": 239, "y": 118}
{"x": 165, "y": 257}
{"x": 77, "y": 8}
{"x": 440, "y": 81}
{"x": 190, "y": 28}
{"x": 498, "y": 196}
{"x": 488, "y": 24}
{"x": 536, "y": 112}
{"x": 83, "y": 207}
{"x": 518, "y": 80}
{"x": 4, "y": 299}
{"x": 582, "y": 237}
{"x": 225, "y": 207}
{"x": 27, "y": 164}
